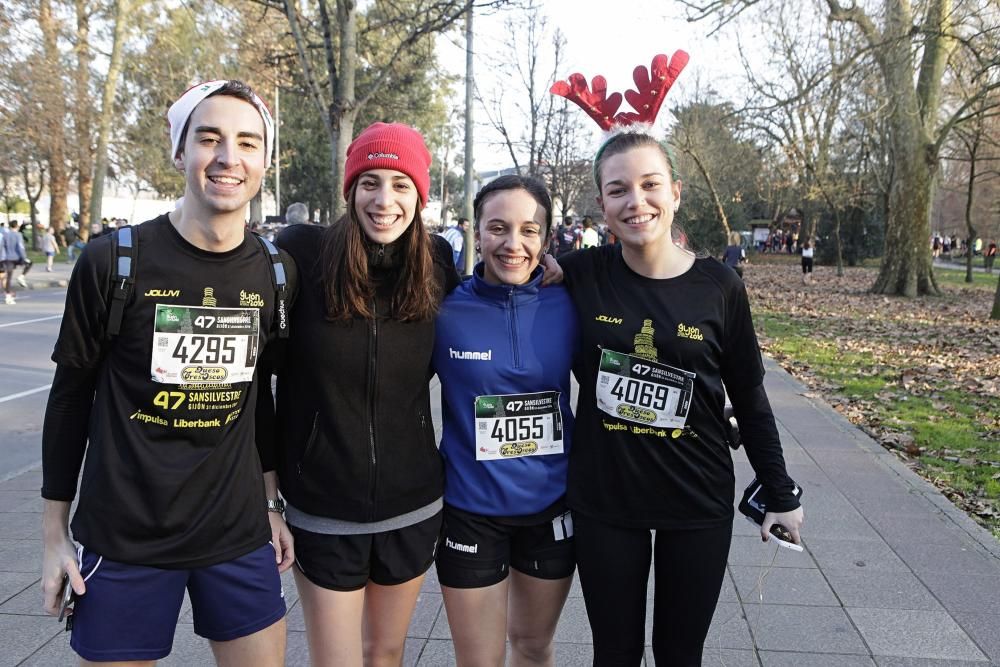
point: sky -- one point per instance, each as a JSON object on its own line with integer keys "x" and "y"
{"x": 599, "y": 40}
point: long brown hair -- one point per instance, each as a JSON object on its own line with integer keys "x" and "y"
{"x": 347, "y": 278}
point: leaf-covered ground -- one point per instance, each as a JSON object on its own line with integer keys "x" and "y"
{"x": 921, "y": 376}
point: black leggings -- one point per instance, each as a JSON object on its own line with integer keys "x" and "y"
{"x": 614, "y": 567}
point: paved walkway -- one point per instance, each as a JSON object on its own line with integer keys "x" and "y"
{"x": 892, "y": 574}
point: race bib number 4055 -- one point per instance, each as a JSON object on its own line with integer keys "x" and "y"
{"x": 515, "y": 425}
{"x": 643, "y": 391}
{"x": 204, "y": 345}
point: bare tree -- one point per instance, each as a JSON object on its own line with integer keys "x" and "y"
{"x": 567, "y": 161}
{"x": 692, "y": 137}
{"x": 401, "y": 27}
{"x": 911, "y": 54}
{"x": 523, "y": 114}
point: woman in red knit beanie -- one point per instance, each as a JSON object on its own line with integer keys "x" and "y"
{"x": 354, "y": 445}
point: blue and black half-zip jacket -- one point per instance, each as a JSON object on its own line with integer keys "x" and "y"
{"x": 504, "y": 355}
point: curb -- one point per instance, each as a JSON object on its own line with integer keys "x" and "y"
{"x": 977, "y": 533}
{"x": 48, "y": 284}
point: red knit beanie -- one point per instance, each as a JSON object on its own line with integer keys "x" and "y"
{"x": 390, "y": 146}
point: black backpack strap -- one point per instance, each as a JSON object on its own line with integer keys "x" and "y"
{"x": 280, "y": 286}
{"x": 124, "y": 246}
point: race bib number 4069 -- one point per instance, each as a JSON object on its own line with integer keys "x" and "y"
{"x": 196, "y": 345}
{"x": 514, "y": 425}
{"x": 643, "y": 391}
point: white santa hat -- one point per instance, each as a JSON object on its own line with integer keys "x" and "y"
{"x": 181, "y": 110}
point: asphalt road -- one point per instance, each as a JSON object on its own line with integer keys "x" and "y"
{"x": 28, "y": 331}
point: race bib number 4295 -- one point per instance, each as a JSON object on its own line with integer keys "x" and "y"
{"x": 196, "y": 345}
{"x": 514, "y": 425}
{"x": 644, "y": 391}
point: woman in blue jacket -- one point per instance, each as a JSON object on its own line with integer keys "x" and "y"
{"x": 503, "y": 350}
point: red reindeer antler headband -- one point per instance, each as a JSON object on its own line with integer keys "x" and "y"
{"x": 652, "y": 86}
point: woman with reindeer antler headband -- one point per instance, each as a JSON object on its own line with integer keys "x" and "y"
{"x": 663, "y": 330}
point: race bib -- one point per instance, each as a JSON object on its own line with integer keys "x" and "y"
{"x": 643, "y": 391}
{"x": 197, "y": 345}
{"x": 515, "y": 425}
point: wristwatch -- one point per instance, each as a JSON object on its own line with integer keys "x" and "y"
{"x": 277, "y": 505}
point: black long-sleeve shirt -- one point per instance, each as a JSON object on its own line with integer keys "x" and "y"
{"x": 651, "y": 443}
{"x": 164, "y": 412}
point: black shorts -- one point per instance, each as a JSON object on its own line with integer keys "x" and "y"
{"x": 348, "y": 562}
{"x": 477, "y": 550}
{"x": 807, "y": 265}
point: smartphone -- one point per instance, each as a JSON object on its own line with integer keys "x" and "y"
{"x": 66, "y": 593}
{"x": 754, "y": 507}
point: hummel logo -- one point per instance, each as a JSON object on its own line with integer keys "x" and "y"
{"x": 467, "y": 548}
{"x": 471, "y": 356}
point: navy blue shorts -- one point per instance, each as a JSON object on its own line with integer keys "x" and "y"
{"x": 129, "y": 612}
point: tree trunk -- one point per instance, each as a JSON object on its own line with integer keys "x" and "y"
{"x": 54, "y": 100}
{"x": 32, "y": 197}
{"x": 907, "y": 263}
{"x": 837, "y": 243}
{"x": 716, "y": 200}
{"x": 345, "y": 131}
{"x": 343, "y": 108}
{"x": 995, "y": 313}
{"x": 970, "y": 230}
{"x": 81, "y": 116}
{"x": 122, "y": 8}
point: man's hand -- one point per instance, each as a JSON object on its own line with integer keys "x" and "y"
{"x": 58, "y": 556}
{"x": 281, "y": 540}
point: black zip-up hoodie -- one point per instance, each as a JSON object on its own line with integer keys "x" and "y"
{"x": 353, "y": 435}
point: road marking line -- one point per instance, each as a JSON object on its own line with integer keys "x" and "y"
{"x": 22, "y": 394}
{"x": 37, "y": 319}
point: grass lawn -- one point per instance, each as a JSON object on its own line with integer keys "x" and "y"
{"x": 956, "y": 277}
{"x": 921, "y": 376}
